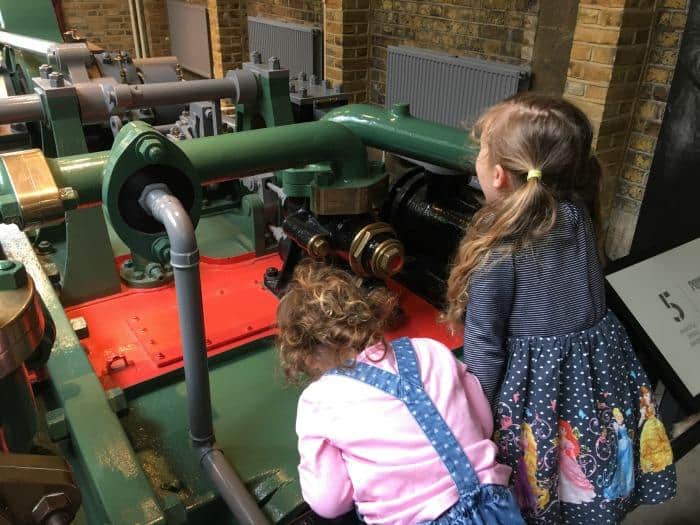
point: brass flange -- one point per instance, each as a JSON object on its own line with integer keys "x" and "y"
{"x": 39, "y": 200}
{"x": 21, "y": 324}
{"x": 387, "y": 258}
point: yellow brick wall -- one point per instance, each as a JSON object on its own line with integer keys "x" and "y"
{"x": 669, "y": 23}
{"x": 306, "y": 12}
{"x": 502, "y": 30}
{"x": 107, "y": 23}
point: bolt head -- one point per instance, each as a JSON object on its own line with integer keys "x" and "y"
{"x": 50, "y": 504}
{"x": 256, "y": 57}
{"x": 12, "y": 275}
{"x": 56, "y": 79}
{"x": 45, "y": 70}
{"x": 274, "y": 62}
{"x": 151, "y": 150}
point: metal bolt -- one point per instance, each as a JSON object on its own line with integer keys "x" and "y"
{"x": 273, "y": 62}
{"x": 256, "y": 57}
{"x": 69, "y": 198}
{"x": 106, "y": 58}
{"x": 272, "y": 272}
{"x": 45, "y": 247}
{"x": 152, "y": 150}
{"x": 303, "y": 92}
{"x": 292, "y": 87}
{"x": 56, "y": 79}
{"x": 312, "y": 80}
{"x": 12, "y": 275}
{"x": 49, "y": 505}
{"x": 302, "y": 76}
{"x": 45, "y": 70}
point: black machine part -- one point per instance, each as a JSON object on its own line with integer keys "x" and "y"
{"x": 37, "y": 490}
{"x": 430, "y": 213}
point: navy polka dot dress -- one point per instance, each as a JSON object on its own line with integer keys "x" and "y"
{"x": 575, "y": 416}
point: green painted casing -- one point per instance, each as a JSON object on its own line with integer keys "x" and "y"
{"x": 114, "y": 477}
{"x": 35, "y": 18}
{"x": 397, "y": 131}
{"x": 297, "y": 182}
{"x": 62, "y": 131}
{"x": 138, "y": 148}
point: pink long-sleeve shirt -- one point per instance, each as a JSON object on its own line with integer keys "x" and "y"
{"x": 360, "y": 444}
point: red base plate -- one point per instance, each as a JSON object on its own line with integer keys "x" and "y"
{"x": 134, "y": 335}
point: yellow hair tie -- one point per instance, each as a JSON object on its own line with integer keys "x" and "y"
{"x": 534, "y": 174}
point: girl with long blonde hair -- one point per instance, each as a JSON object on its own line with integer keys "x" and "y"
{"x": 527, "y": 288}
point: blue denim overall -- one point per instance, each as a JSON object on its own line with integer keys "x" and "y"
{"x": 478, "y": 504}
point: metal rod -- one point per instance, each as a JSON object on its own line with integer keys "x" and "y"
{"x": 25, "y": 43}
{"x": 21, "y": 108}
{"x": 134, "y": 30}
{"x": 184, "y": 258}
{"x": 132, "y": 96}
{"x": 138, "y": 4}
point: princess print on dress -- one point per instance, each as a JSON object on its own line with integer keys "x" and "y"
{"x": 622, "y": 482}
{"x": 528, "y": 490}
{"x": 574, "y": 486}
{"x": 654, "y": 447}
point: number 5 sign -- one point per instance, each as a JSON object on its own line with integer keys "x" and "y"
{"x": 662, "y": 294}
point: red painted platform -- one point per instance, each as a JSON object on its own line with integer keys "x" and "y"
{"x": 134, "y": 335}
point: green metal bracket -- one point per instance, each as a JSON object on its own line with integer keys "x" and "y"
{"x": 142, "y": 156}
{"x": 85, "y": 278}
{"x": 62, "y": 132}
{"x": 274, "y": 106}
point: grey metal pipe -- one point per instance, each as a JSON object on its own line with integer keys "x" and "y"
{"x": 21, "y": 108}
{"x": 157, "y": 200}
{"x": 125, "y": 96}
{"x": 230, "y": 486}
{"x": 184, "y": 258}
{"x": 145, "y": 48}
{"x": 134, "y": 29}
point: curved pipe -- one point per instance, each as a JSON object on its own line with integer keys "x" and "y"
{"x": 397, "y": 131}
{"x": 235, "y": 155}
{"x": 157, "y": 200}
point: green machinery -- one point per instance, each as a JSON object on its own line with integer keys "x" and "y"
{"x": 128, "y": 447}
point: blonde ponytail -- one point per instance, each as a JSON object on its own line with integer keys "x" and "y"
{"x": 544, "y": 144}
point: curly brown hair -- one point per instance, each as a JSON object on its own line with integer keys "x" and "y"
{"x": 326, "y": 318}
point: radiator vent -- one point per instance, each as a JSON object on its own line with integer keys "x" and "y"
{"x": 448, "y": 89}
{"x": 299, "y": 48}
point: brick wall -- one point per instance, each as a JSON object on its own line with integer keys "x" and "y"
{"x": 346, "y": 34}
{"x": 502, "y": 30}
{"x": 306, "y": 12}
{"x": 606, "y": 63}
{"x": 669, "y": 22}
{"x": 105, "y": 22}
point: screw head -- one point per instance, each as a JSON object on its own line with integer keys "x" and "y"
{"x": 272, "y": 272}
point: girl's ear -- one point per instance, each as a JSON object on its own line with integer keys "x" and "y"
{"x": 502, "y": 179}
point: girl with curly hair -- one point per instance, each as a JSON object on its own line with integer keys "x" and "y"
{"x": 399, "y": 430}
